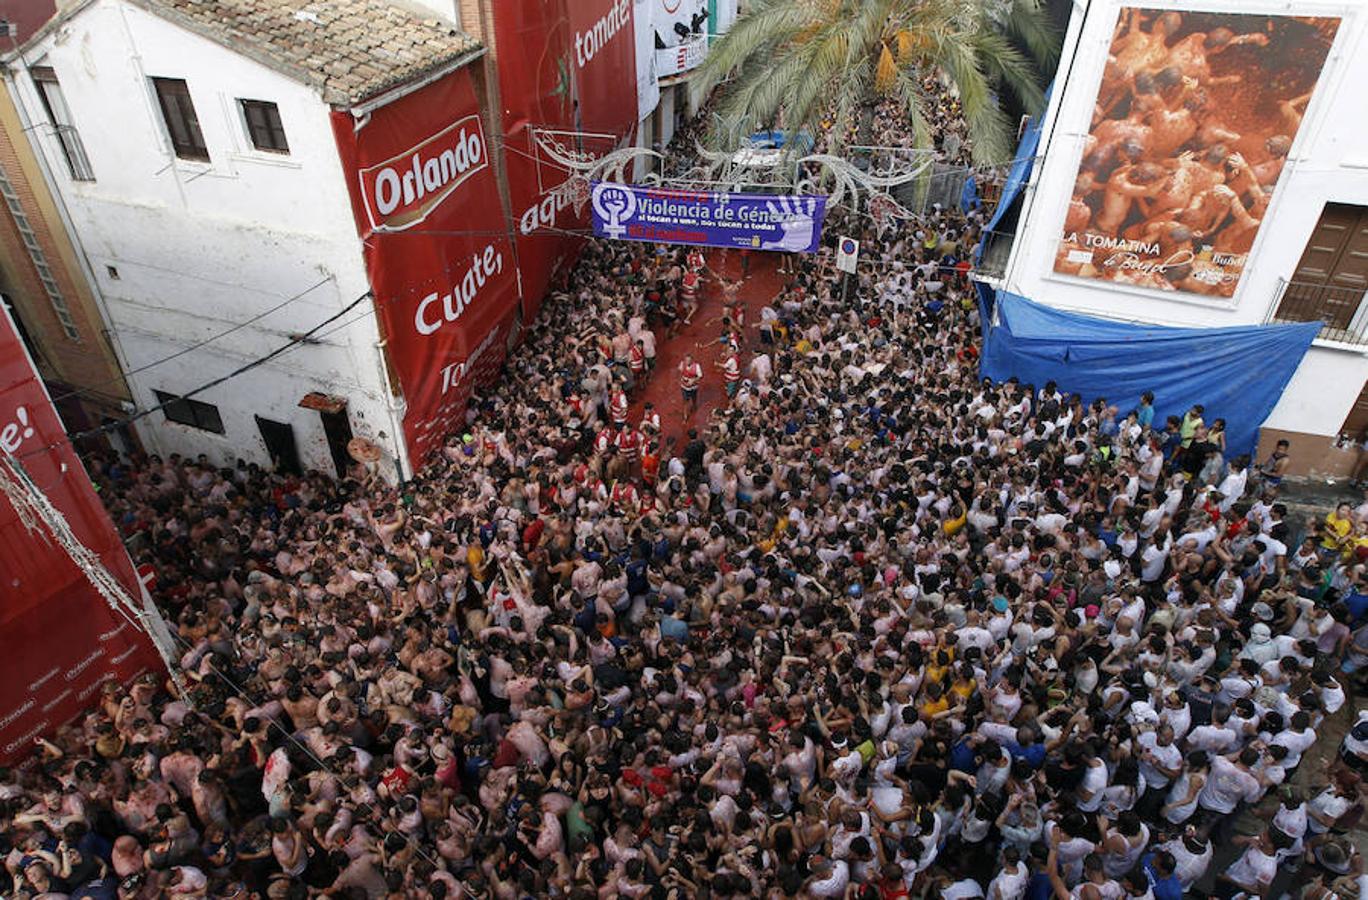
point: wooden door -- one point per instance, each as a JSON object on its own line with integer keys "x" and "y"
{"x": 1332, "y": 276}
{"x": 1356, "y": 423}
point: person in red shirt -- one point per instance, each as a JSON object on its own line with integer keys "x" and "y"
{"x": 650, "y": 420}
{"x": 624, "y": 496}
{"x": 731, "y": 373}
{"x": 636, "y": 362}
{"x": 628, "y": 443}
{"x": 688, "y": 293}
{"x": 690, "y": 377}
{"x": 617, "y": 406}
{"x": 605, "y": 440}
{"x": 650, "y": 464}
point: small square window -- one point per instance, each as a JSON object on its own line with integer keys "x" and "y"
{"x": 184, "y": 411}
{"x": 263, "y": 126}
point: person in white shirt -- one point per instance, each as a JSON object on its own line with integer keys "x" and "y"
{"x": 1298, "y": 738}
{"x": 1218, "y": 737}
{"x": 1230, "y": 783}
{"x": 1192, "y": 855}
{"x": 1153, "y": 559}
{"x": 1258, "y": 865}
{"x": 831, "y": 876}
{"x": 1330, "y": 805}
{"x": 1010, "y": 881}
{"x": 1160, "y": 762}
{"x": 1093, "y": 784}
{"x": 1232, "y": 487}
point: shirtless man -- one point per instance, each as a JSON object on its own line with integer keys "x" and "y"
{"x": 1116, "y": 142}
{"x": 1188, "y": 179}
{"x": 1078, "y": 216}
{"x": 1293, "y": 110}
{"x": 1136, "y": 51}
{"x": 1238, "y": 235}
{"x": 1268, "y": 172}
{"x": 1208, "y": 211}
{"x": 1172, "y": 236}
{"x": 1127, "y": 185}
{"x": 1192, "y": 55}
{"x": 1170, "y": 129}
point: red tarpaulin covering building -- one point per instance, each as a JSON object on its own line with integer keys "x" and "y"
{"x": 60, "y": 638}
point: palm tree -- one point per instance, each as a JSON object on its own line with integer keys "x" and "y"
{"x": 793, "y": 63}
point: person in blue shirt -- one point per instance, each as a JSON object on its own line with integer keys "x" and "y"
{"x": 1144, "y": 413}
{"x": 1160, "y": 868}
{"x": 1026, "y": 747}
{"x": 1040, "y": 887}
{"x": 1357, "y": 602}
{"x": 1173, "y": 438}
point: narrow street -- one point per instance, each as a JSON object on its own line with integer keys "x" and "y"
{"x": 757, "y": 289}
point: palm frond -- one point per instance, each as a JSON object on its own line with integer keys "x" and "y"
{"x": 987, "y": 126}
{"x": 759, "y": 31}
{"x": 886, "y": 74}
{"x": 1010, "y": 67}
{"x": 1030, "y": 23}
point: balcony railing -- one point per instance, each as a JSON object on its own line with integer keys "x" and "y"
{"x": 1341, "y": 309}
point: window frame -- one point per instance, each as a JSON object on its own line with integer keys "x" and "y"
{"x": 173, "y": 96}
{"x": 49, "y": 88}
{"x": 190, "y": 412}
{"x": 272, "y": 125}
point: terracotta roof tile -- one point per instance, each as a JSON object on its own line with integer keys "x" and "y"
{"x": 349, "y": 50}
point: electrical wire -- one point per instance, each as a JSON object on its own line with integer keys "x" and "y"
{"x": 127, "y": 420}
{"x": 152, "y": 365}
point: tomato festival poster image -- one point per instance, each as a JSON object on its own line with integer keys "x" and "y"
{"x": 1193, "y": 122}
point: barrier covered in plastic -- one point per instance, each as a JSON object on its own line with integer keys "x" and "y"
{"x": 1236, "y": 373}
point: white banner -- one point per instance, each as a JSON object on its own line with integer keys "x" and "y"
{"x": 648, "y": 82}
{"x": 688, "y": 55}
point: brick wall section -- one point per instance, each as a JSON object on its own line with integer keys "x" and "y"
{"x": 471, "y": 21}
{"x": 88, "y": 362}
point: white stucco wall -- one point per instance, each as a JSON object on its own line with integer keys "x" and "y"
{"x": 202, "y": 248}
{"x": 1328, "y": 163}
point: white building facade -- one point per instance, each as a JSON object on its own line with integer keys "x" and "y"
{"x": 1308, "y": 259}
{"x": 213, "y": 212}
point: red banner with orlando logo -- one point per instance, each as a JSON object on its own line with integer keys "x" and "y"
{"x": 441, "y": 266}
{"x": 61, "y": 640}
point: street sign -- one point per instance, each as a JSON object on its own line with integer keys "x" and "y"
{"x": 847, "y": 254}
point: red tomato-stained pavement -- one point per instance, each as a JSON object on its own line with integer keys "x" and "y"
{"x": 756, "y": 289}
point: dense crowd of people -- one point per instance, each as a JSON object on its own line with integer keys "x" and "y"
{"x": 874, "y": 628}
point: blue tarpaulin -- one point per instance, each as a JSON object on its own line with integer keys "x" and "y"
{"x": 1236, "y": 373}
{"x": 1020, "y": 172}
{"x": 969, "y": 198}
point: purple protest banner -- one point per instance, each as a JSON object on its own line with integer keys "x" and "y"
{"x": 787, "y": 223}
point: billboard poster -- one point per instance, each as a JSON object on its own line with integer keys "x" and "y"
{"x": 1190, "y": 131}
{"x": 784, "y": 223}
{"x": 603, "y": 52}
{"x": 536, "y": 56}
{"x": 441, "y": 266}
{"x": 61, "y": 640}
